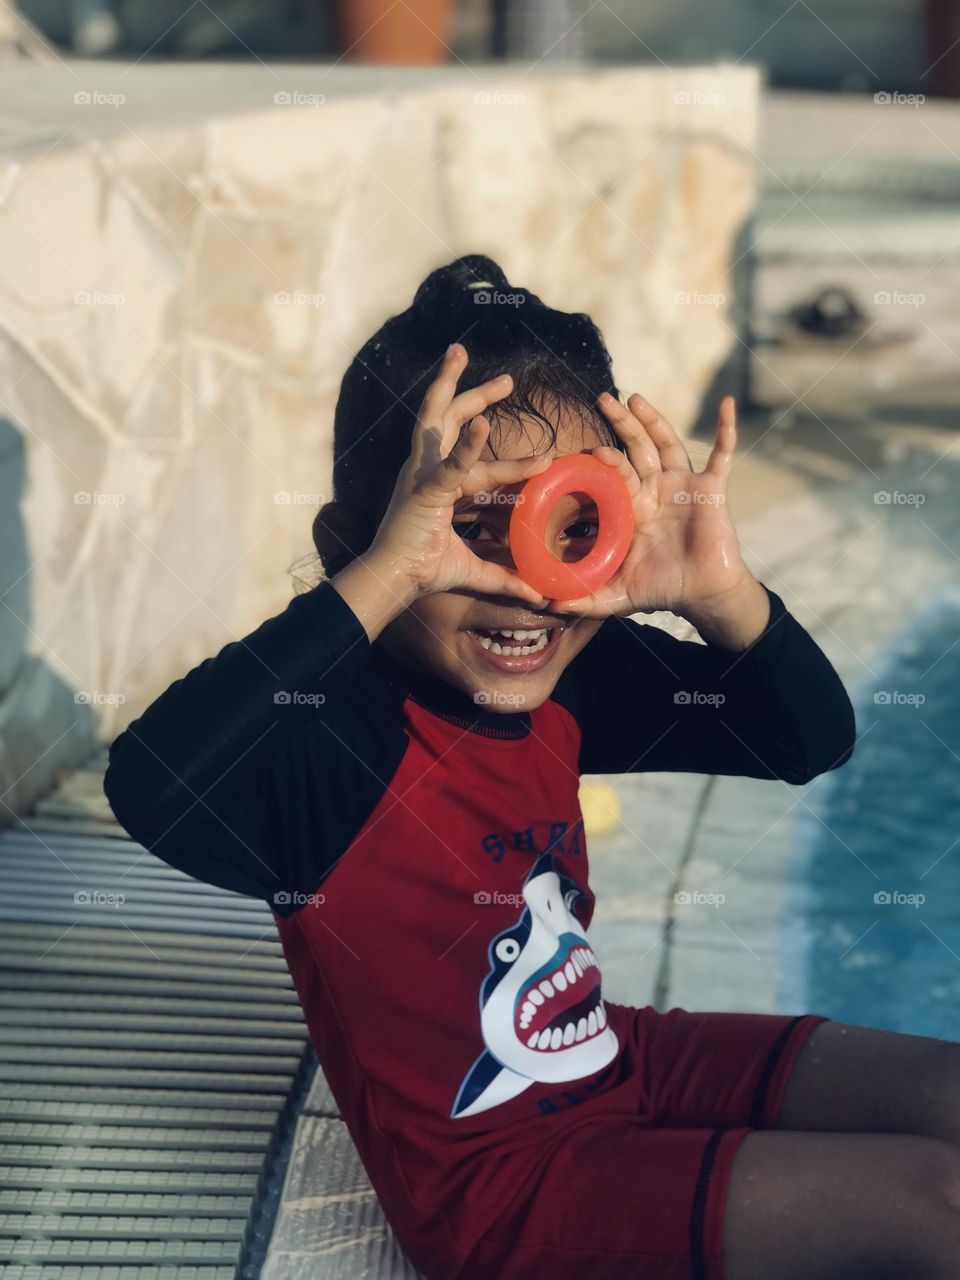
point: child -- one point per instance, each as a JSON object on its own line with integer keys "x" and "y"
{"x": 393, "y": 763}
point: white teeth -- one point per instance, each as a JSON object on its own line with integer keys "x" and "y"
{"x": 546, "y": 986}
{"x": 560, "y": 982}
{"x": 536, "y": 996}
{"x": 527, "y": 1010}
{"x": 601, "y": 1016}
{"x": 569, "y": 970}
{"x": 573, "y": 1031}
{"x": 537, "y": 640}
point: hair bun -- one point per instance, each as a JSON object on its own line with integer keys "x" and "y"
{"x": 451, "y": 287}
{"x": 445, "y": 306}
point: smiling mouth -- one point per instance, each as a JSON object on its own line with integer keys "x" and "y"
{"x": 514, "y": 643}
{"x": 515, "y": 651}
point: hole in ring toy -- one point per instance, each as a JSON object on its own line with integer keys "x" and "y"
{"x": 536, "y": 565}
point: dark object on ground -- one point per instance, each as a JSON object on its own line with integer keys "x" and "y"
{"x": 831, "y": 312}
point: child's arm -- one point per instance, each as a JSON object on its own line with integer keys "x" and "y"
{"x": 647, "y": 701}
{"x": 224, "y": 772}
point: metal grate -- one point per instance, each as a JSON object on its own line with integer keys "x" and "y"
{"x": 154, "y": 1057}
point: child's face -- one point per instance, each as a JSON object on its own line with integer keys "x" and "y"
{"x": 447, "y": 633}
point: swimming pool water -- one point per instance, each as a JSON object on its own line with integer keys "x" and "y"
{"x": 886, "y": 823}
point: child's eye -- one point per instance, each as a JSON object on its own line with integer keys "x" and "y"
{"x": 582, "y": 529}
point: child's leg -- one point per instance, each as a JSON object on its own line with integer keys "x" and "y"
{"x": 823, "y": 1206}
{"x": 854, "y": 1079}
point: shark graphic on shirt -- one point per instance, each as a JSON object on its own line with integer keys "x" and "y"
{"x": 542, "y": 1016}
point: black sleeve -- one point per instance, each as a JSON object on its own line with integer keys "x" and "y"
{"x": 647, "y": 701}
{"x": 256, "y": 769}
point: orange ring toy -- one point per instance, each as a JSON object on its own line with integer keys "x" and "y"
{"x": 536, "y": 565}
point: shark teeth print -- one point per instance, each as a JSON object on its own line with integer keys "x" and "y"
{"x": 564, "y": 1007}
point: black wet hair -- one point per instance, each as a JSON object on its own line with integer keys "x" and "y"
{"x": 556, "y": 358}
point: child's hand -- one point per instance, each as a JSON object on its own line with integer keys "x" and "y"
{"x": 416, "y": 534}
{"x": 685, "y": 556}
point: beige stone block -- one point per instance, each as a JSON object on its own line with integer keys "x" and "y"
{"x": 165, "y": 176}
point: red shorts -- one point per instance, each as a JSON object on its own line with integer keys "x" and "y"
{"x": 642, "y": 1196}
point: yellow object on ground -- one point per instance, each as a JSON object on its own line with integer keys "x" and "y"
{"x": 600, "y": 806}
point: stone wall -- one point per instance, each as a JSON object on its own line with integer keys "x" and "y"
{"x": 178, "y": 304}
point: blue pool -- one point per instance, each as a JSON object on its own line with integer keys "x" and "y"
{"x": 887, "y": 823}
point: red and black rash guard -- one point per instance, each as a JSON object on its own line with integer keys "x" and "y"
{"x": 425, "y": 861}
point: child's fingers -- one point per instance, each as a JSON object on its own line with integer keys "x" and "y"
{"x": 615, "y": 458}
{"x": 601, "y": 604}
{"x": 438, "y": 397}
{"x": 668, "y": 443}
{"x": 451, "y": 472}
{"x": 442, "y": 413}
{"x": 469, "y": 403}
{"x": 643, "y": 453}
{"x": 494, "y": 579}
{"x": 486, "y": 476}
{"x": 721, "y": 455}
